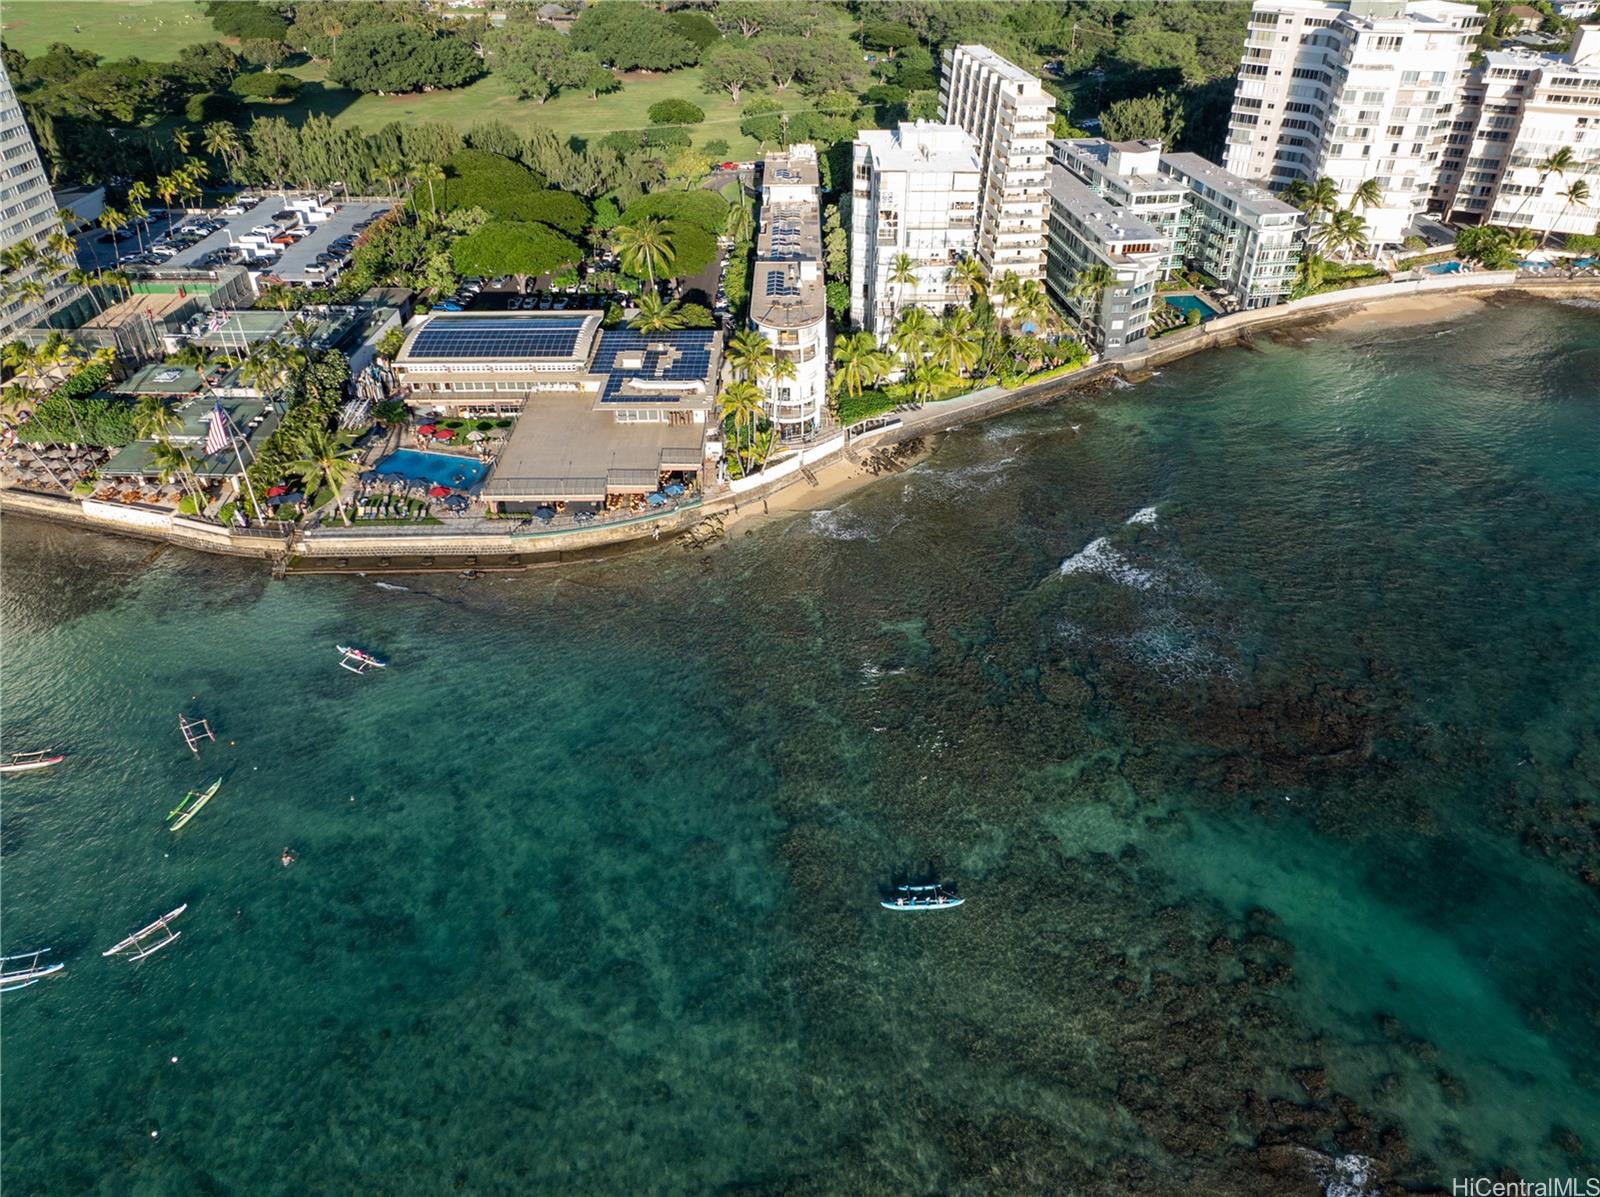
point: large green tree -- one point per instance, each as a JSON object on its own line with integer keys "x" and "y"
{"x": 385, "y": 57}
{"x": 631, "y": 37}
{"x": 513, "y": 247}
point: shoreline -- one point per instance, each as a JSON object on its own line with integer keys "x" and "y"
{"x": 1417, "y": 302}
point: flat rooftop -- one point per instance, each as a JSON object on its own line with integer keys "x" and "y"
{"x": 1003, "y": 67}
{"x": 562, "y": 448}
{"x": 160, "y": 379}
{"x": 1110, "y": 222}
{"x": 553, "y": 339}
{"x": 249, "y": 416}
{"x": 1248, "y": 198}
{"x": 152, "y": 306}
{"x": 793, "y": 169}
{"x": 921, "y": 146}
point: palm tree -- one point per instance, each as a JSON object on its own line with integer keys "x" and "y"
{"x": 957, "y": 343}
{"x": 1317, "y": 200}
{"x": 88, "y": 280}
{"x": 278, "y": 295}
{"x": 1577, "y": 192}
{"x": 172, "y": 462}
{"x": 858, "y": 363}
{"x": 1520, "y": 240}
{"x": 323, "y": 463}
{"x": 1366, "y": 195}
{"x": 168, "y": 187}
{"x": 1033, "y": 305}
{"x": 926, "y": 379}
{"x": 967, "y": 276}
{"x": 1007, "y": 289}
{"x": 1090, "y": 286}
{"x": 656, "y": 315}
{"x": 113, "y": 222}
{"x": 1345, "y": 234}
{"x": 646, "y": 245}
{"x": 749, "y": 355}
{"x": 222, "y": 139}
{"x": 430, "y": 173}
{"x": 903, "y": 273}
{"x": 741, "y": 402}
{"x": 911, "y": 332}
{"x": 153, "y": 420}
{"x": 119, "y": 279}
{"x": 270, "y": 365}
{"x": 1558, "y": 163}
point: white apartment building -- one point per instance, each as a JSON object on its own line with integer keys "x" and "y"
{"x": 788, "y": 302}
{"x": 27, "y": 215}
{"x": 1352, "y": 90}
{"x": 1209, "y": 220}
{"x": 1576, "y": 10}
{"x": 1007, "y": 113}
{"x": 914, "y": 191}
{"x": 1520, "y": 108}
{"x": 1089, "y": 229}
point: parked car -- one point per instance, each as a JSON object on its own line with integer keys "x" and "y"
{"x": 449, "y": 306}
{"x": 265, "y": 230}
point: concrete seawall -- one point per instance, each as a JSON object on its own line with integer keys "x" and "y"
{"x": 332, "y": 548}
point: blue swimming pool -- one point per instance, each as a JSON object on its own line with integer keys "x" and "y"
{"x": 1443, "y": 268}
{"x": 1192, "y": 303}
{"x": 442, "y": 469}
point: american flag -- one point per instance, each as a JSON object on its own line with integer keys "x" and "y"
{"x": 217, "y": 438}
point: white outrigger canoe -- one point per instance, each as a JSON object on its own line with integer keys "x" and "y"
{"x": 27, "y": 974}
{"x": 357, "y": 661}
{"x": 149, "y": 940}
{"x": 921, "y": 897}
{"x": 21, "y": 762}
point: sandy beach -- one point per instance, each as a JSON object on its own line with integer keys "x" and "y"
{"x": 1409, "y": 309}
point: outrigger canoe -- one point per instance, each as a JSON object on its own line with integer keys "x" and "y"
{"x": 191, "y": 804}
{"x": 357, "y": 661}
{"x": 20, "y": 762}
{"x": 921, "y": 897}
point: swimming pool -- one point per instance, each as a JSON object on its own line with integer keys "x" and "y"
{"x": 440, "y": 469}
{"x": 1192, "y": 303}
{"x": 1443, "y": 268}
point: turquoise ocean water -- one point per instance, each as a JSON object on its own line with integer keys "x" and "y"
{"x": 1255, "y": 717}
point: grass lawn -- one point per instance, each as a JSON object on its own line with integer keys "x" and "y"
{"x": 490, "y": 98}
{"x": 154, "y": 30}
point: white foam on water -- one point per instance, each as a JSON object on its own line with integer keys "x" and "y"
{"x": 872, "y": 671}
{"x": 1145, "y": 515}
{"x": 390, "y": 586}
{"x": 1099, "y": 557}
{"x": 1344, "y": 1176}
{"x": 1121, "y": 383}
{"x": 843, "y": 525}
{"x": 983, "y": 476}
{"x": 1580, "y": 303}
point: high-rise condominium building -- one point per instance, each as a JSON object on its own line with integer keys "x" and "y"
{"x": 1352, "y": 90}
{"x": 1007, "y": 113}
{"x": 1519, "y": 110}
{"x": 787, "y": 298}
{"x": 29, "y": 291}
{"x": 914, "y": 199}
{"x": 1144, "y": 214}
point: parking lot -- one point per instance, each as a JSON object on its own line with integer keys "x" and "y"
{"x": 296, "y": 262}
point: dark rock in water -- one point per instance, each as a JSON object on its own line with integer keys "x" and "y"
{"x": 1313, "y": 1080}
{"x": 1388, "y": 1086}
{"x": 1221, "y": 946}
{"x": 1567, "y": 1140}
{"x": 1126, "y": 986}
{"x": 1452, "y": 1087}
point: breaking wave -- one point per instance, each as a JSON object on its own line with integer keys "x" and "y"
{"x": 1145, "y": 515}
{"x": 1099, "y": 557}
{"x": 844, "y": 525}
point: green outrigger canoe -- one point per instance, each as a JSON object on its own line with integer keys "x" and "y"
{"x": 192, "y": 802}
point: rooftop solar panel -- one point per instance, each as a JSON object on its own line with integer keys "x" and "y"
{"x": 553, "y": 337}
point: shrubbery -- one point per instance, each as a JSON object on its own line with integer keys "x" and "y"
{"x": 513, "y": 247}
{"x": 509, "y": 191}
{"x": 265, "y": 87}
{"x": 676, "y": 112}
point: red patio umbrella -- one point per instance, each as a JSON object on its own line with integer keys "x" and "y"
{"x": 438, "y": 492}
{"x": 426, "y": 430}
{"x": 274, "y": 491}
{"x": 443, "y": 434}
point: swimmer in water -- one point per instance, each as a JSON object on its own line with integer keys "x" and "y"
{"x": 287, "y": 858}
